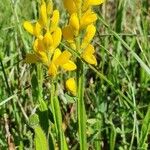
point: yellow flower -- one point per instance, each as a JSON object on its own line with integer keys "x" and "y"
{"x": 68, "y": 33}
{"x": 39, "y": 50}
{"x": 36, "y": 57}
{"x": 54, "y": 21}
{"x": 90, "y": 32}
{"x": 81, "y": 24}
{"x": 34, "y": 29}
{"x": 72, "y": 30}
{"x": 74, "y": 23}
{"x": 89, "y": 3}
{"x": 70, "y": 6}
{"x": 61, "y": 59}
{"x": 49, "y": 42}
{"x": 56, "y": 35}
{"x": 88, "y": 18}
{"x": 88, "y": 55}
{"x": 71, "y": 86}
{"x": 43, "y": 14}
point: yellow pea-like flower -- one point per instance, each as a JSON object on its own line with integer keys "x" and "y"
{"x": 71, "y": 86}
{"x": 87, "y": 18}
{"x": 43, "y": 14}
{"x": 64, "y": 61}
{"x": 52, "y": 71}
{"x": 37, "y": 57}
{"x": 68, "y": 34}
{"x": 43, "y": 57}
{"x": 61, "y": 59}
{"x": 57, "y": 34}
{"x": 28, "y": 26}
{"x": 90, "y": 32}
{"x": 57, "y": 53}
{"x": 69, "y": 66}
{"x": 80, "y": 30}
{"x": 37, "y": 29}
{"x": 70, "y": 6}
{"x": 94, "y": 2}
{"x": 88, "y": 3}
{"x": 38, "y": 45}
{"x": 34, "y": 29}
{"x": 74, "y": 23}
{"x": 47, "y": 40}
{"x": 88, "y": 55}
{"x": 54, "y": 20}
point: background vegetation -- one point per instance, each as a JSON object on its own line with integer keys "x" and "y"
{"x": 117, "y": 96}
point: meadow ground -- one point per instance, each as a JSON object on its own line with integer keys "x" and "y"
{"x": 117, "y": 90}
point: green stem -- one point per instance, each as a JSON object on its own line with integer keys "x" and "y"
{"x": 42, "y": 104}
{"x": 57, "y": 117}
{"x": 5, "y": 76}
{"x": 40, "y": 82}
{"x": 43, "y": 113}
{"x": 81, "y": 106}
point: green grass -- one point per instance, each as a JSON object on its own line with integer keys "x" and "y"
{"x": 117, "y": 90}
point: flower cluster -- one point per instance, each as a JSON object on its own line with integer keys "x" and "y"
{"x": 80, "y": 30}
{"x": 78, "y": 33}
{"x": 47, "y": 39}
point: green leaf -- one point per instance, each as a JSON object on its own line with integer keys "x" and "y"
{"x": 145, "y": 130}
{"x": 40, "y": 139}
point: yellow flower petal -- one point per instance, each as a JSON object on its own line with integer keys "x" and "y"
{"x": 74, "y": 22}
{"x": 69, "y": 66}
{"x": 89, "y": 3}
{"x": 54, "y": 20}
{"x": 71, "y": 86}
{"x": 37, "y": 29}
{"x": 43, "y": 57}
{"x": 35, "y": 45}
{"x": 28, "y": 26}
{"x": 95, "y": 2}
{"x": 70, "y": 6}
{"x": 57, "y": 53}
{"x": 63, "y": 58}
{"x": 56, "y": 37}
{"x": 52, "y": 71}
{"x": 90, "y": 32}
{"x": 88, "y": 17}
{"x": 32, "y": 29}
{"x": 88, "y": 56}
{"x": 67, "y": 34}
{"x": 31, "y": 58}
{"x": 38, "y": 45}
{"x": 48, "y": 40}
{"x": 43, "y": 14}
